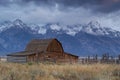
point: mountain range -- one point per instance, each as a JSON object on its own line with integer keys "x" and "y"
{"x": 79, "y": 39}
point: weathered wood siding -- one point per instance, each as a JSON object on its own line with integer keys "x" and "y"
{"x": 55, "y": 46}
{"x": 16, "y": 59}
{"x": 52, "y": 57}
{"x": 71, "y": 58}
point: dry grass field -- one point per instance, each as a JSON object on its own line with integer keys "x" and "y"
{"x": 33, "y": 71}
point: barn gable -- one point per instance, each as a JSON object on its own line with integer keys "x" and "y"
{"x": 55, "y": 46}
{"x": 49, "y": 45}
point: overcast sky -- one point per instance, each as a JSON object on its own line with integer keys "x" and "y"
{"x": 106, "y": 12}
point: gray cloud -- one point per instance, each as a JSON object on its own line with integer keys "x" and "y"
{"x": 4, "y": 2}
{"x": 103, "y": 6}
{"x": 64, "y": 11}
{"x": 110, "y": 7}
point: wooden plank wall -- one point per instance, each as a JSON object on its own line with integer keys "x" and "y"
{"x": 16, "y": 59}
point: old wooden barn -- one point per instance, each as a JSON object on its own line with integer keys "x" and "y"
{"x": 40, "y": 50}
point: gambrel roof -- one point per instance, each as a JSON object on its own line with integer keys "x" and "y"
{"x": 35, "y": 46}
{"x": 38, "y": 44}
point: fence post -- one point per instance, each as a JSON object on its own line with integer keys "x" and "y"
{"x": 118, "y": 57}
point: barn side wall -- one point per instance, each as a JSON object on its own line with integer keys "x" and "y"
{"x": 41, "y": 57}
{"x": 52, "y": 57}
{"x": 71, "y": 58}
{"x": 16, "y": 59}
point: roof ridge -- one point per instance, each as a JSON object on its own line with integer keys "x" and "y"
{"x": 45, "y": 39}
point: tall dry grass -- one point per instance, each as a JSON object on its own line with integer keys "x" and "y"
{"x": 33, "y": 71}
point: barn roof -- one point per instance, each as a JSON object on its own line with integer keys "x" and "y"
{"x": 23, "y": 53}
{"x": 71, "y": 54}
{"x": 38, "y": 44}
{"x": 34, "y": 46}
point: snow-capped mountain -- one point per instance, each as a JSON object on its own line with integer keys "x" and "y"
{"x": 19, "y": 23}
{"x": 93, "y": 28}
{"x": 5, "y": 25}
{"x": 87, "y": 39}
{"x": 8, "y": 24}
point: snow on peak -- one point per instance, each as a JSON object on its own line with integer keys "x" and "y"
{"x": 38, "y": 29}
{"x": 8, "y": 24}
{"x": 19, "y": 23}
{"x": 72, "y": 29}
{"x": 94, "y": 28}
{"x": 94, "y": 24}
{"x": 5, "y": 25}
{"x": 55, "y": 27}
{"x": 68, "y": 29}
